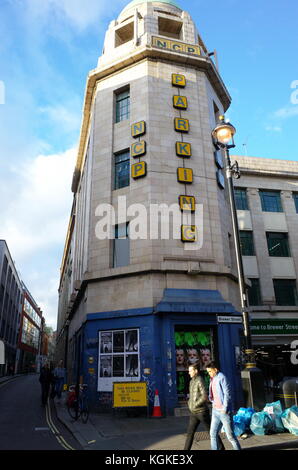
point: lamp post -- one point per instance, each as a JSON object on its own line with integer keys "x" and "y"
{"x": 252, "y": 378}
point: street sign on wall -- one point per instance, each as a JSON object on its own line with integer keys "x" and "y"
{"x": 2, "y": 352}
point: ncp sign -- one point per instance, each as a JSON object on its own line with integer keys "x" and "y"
{"x": 2, "y": 352}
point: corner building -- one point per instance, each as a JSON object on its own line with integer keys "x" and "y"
{"x": 134, "y": 309}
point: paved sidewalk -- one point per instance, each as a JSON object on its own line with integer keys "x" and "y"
{"x": 110, "y": 432}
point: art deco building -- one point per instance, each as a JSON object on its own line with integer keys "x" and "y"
{"x": 132, "y": 297}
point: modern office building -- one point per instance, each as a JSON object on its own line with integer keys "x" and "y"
{"x": 29, "y": 343}
{"x": 267, "y": 207}
{"x": 139, "y": 300}
{"x": 11, "y": 300}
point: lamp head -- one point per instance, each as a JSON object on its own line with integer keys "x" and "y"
{"x": 223, "y": 132}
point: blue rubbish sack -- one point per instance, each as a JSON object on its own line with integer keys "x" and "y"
{"x": 262, "y": 423}
{"x": 275, "y": 411}
{"x": 290, "y": 419}
{"x": 242, "y": 420}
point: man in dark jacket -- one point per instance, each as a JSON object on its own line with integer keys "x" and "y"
{"x": 45, "y": 380}
{"x": 198, "y": 407}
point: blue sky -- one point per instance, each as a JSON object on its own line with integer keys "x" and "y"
{"x": 47, "y": 48}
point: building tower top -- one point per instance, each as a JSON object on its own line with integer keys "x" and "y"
{"x": 138, "y": 2}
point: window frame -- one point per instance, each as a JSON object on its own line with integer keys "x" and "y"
{"x": 122, "y": 104}
{"x": 254, "y": 292}
{"x": 118, "y": 246}
{"x": 250, "y": 247}
{"x": 288, "y": 294}
{"x": 284, "y": 250}
{"x": 295, "y": 197}
{"x": 268, "y": 204}
{"x": 241, "y": 201}
{"x": 125, "y": 162}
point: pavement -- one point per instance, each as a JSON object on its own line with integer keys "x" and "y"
{"x": 117, "y": 431}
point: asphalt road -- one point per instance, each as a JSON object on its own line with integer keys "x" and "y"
{"x": 27, "y": 425}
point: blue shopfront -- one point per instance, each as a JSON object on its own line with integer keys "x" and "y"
{"x": 156, "y": 346}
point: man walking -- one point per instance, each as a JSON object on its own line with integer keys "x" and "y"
{"x": 198, "y": 408}
{"x": 220, "y": 396}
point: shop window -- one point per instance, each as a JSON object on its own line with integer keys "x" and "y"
{"x": 254, "y": 292}
{"x": 295, "y": 197}
{"x": 170, "y": 28}
{"x": 121, "y": 170}
{"x": 285, "y": 292}
{"x": 241, "y": 199}
{"x": 122, "y": 105}
{"x": 121, "y": 248}
{"x": 247, "y": 243}
{"x": 119, "y": 358}
{"x": 124, "y": 34}
{"x": 278, "y": 244}
{"x": 271, "y": 201}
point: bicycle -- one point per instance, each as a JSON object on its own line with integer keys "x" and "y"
{"x": 78, "y": 407}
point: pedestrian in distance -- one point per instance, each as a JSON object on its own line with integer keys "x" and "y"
{"x": 45, "y": 379}
{"x": 198, "y": 406}
{"x": 59, "y": 375}
{"x": 220, "y": 397}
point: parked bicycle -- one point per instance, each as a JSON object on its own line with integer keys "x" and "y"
{"x": 78, "y": 407}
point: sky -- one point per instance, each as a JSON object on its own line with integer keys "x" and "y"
{"x": 47, "y": 48}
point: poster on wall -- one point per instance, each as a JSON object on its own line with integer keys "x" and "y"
{"x": 192, "y": 346}
{"x": 118, "y": 358}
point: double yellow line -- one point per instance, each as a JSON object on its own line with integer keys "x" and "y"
{"x": 54, "y": 430}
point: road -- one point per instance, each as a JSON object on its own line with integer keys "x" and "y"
{"x": 27, "y": 425}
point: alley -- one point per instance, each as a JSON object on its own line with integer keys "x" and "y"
{"x": 24, "y": 423}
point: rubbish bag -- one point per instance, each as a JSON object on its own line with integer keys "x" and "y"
{"x": 242, "y": 420}
{"x": 290, "y": 419}
{"x": 275, "y": 411}
{"x": 262, "y": 423}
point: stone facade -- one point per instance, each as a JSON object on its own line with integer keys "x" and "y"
{"x": 91, "y": 287}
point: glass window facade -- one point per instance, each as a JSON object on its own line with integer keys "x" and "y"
{"x": 295, "y": 197}
{"x": 122, "y": 168}
{"x": 121, "y": 255}
{"x": 254, "y": 292}
{"x": 271, "y": 201}
{"x": 241, "y": 199}
{"x": 247, "y": 243}
{"x": 278, "y": 244}
{"x": 122, "y": 105}
{"x": 285, "y": 292}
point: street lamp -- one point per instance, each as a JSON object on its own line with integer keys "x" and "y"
{"x": 252, "y": 378}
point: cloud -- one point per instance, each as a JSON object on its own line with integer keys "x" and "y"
{"x": 36, "y": 201}
{"x": 273, "y": 128}
{"x": 286, "y": 112}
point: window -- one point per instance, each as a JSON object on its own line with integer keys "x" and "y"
{"x": 124, "y": 34}
{"x": 295, "y": 196}
{"x": 121, "y": 170}
{"x": 278, "y": 244}
{"x": 121, "y": 246}
{"x": 285, "y": 291}
{"x": 241, "y": 199}
{"x": 254, "y": 292}
{"x": 246, "y": 243}
{"x": 123, "y": 105}
{"x": 271, "y": 201}
{"x": 170, "y": 28}
{"x": 118, "y": 357}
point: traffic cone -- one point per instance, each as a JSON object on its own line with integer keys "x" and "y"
{"x": 156, "y": 407}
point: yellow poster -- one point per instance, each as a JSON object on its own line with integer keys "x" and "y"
{"x": 129, "y": 394}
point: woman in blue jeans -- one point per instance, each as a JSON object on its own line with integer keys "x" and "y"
{"x": 59, "y": 378}
{"x": 220, "y": 397}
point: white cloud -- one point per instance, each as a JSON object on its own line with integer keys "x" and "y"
{"x": 286, "y": 112}
{"x": 36, "y": 201}
{"x": 273, "y": 128}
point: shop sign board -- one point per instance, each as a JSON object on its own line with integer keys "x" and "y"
{"x": 130, "y": 394}
{"x": 229, "y": 319}
{"x": 274, "y": 327}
